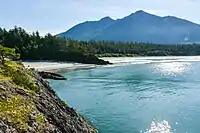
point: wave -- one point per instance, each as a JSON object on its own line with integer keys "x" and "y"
{"x": 122, "y": 61}
{"x": 162, "y": 127}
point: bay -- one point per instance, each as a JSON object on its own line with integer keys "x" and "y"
{"x": 149, "y": 95}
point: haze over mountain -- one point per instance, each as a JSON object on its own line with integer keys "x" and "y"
{"x": 140, "y": 27}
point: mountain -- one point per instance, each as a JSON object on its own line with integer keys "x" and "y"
{"x": 139, "y": 26}
{"x": 88, "y": 29}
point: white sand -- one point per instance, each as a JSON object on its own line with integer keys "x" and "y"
{"x": 57, "y": 66}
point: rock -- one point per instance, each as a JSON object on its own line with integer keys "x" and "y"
{"x": 55, "y": 117}
{"x": 32, "y": 115}
{"x": 2, "y": 88}
{"x": 6, "y": 128}
{"x": 50, "y": 75}
{"x": 22, "y": 92}
{"x": 31, "y": 129}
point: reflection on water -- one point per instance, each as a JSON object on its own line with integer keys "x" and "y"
{"x": 162, "y": 127}
{"x": 172, "y": 68}
{"x": 132, "y": 98}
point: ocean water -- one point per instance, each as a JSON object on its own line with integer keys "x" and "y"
{"x": 149, "y": 95}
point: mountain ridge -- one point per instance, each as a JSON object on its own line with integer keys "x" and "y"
{"x": 140, "y": 26}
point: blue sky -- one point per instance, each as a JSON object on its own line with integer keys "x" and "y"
{"x": 56, "y": 16}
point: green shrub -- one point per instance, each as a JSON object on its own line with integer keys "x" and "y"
{"x": 22, "y": 79}
{"x": 33, "y": 87}
{"x": 19, "y": 75}
{"x": 64, "y": 103}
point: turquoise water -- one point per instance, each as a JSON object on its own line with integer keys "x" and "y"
{"x": 148, "y": 97}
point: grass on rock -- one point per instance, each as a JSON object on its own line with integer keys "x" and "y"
{"x": 15, "y": 108}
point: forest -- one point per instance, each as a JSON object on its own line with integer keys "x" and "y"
{"x": 33, "y": 46}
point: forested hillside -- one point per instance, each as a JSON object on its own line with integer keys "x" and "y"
{"x": 35, "y": 47}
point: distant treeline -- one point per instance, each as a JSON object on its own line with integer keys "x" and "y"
{"x": 35, "y": 47}
{"x": 103, "y": 48}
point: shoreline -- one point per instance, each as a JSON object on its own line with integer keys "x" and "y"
{"x": 57, "y": 66}
{"x": 65, "y": 66}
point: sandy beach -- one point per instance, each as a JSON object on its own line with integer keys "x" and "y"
{"x": 63, "y": 66}
{"x": 59, "y": 66}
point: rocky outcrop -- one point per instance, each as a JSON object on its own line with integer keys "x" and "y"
{"x": 51, "y": 75}
{"x": 30, "y": 105}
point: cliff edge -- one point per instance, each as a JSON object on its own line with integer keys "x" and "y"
{"x": 28, "y": 104}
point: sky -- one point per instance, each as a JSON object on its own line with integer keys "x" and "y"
{"x": 55, "y": 16}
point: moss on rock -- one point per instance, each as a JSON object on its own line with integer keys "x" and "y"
{"x": 17, "y": 109}
{"x": 28, "y": 104}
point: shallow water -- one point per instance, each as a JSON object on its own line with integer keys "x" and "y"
{"x": 151, "y": 96}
